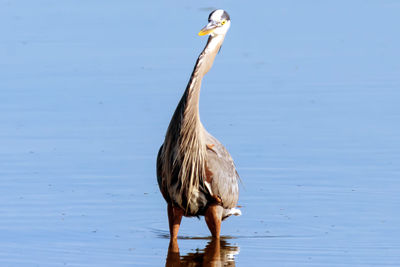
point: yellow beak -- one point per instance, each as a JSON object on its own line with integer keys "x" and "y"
{"x": 209, "y": 28}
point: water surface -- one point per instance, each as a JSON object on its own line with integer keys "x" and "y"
{"x": 304, "y": 95}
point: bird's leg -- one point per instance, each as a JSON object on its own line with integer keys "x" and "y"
{"x": 174, "y": 218}
{"x": 213, "y": 218}
{"x": 173, "y": 248}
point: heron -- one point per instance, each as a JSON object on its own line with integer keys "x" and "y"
{"x": 195, "y": 173}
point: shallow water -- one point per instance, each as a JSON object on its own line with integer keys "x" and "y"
{"x": 304, "y": 95}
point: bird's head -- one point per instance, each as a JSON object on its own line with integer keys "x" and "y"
{"x": 218, "y": 23}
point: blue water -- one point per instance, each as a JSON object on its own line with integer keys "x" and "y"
{"x": 304, "y": 94}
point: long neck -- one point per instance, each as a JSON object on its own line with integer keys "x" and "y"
{"x": 189, "y": 104}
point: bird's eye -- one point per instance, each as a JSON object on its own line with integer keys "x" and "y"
{"x": 223, "y": 22}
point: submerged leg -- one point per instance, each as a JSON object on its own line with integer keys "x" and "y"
{"x": 213, "y": 218}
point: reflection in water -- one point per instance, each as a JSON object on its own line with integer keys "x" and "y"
{"x": 216, "y": 253}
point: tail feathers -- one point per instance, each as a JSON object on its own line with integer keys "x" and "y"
{"x": 229, "y": 212}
